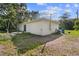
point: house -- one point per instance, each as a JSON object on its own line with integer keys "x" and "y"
{"x": 39, "y": 27}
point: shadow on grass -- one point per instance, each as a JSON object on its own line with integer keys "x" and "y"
{"x": 27, "y": 41}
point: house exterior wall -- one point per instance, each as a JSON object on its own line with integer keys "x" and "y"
{"x": 39, "y": 28}
{"x": 47, "y": 30}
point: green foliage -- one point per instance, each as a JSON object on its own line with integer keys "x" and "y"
{"x": 8, "y": 15}
{"x": 76, "y": 25}
{"x": 11, "y": 14}
{"x": 65, "y": 16}
{"x": 34, "y": 14}
{"x": 67, "y": 24}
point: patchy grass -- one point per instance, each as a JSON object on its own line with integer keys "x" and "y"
{"x": 6, "y": 45}
{"x": 4, "y": 36}
{"x": 24, "y": 43}
{"x": 32, "y": 45}
{"x": 7, "y": 48}
{"x": 27, "y": 41}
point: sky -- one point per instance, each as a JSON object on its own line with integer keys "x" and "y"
{"x": 55, "y": 9}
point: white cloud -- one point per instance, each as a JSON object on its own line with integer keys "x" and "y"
{"x": 53, "y": 10}
{"x": 67, "y": 10}
{"x": 41, "y": 3}
{"x": 76, "y": 5}
{"x": 50, "y": 10}
{"x": 67, "y": 5}
{"x": 45, "y": 12}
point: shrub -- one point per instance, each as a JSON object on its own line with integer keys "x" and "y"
{"x": 76, "y": 25}
{"x": 4, "y": 36}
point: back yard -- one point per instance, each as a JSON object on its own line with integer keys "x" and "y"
{"x": 66, "y": 45}
{"x": 30, "y": 44}
{"x": 16, "y": 18}
{"x": 21, "y": 43}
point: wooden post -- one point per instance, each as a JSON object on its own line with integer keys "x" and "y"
{"x": 8, "y": 27}
{"x": 77, "y": 14}
{"x": 43, "y": 48}
{"x": 50, "y": 22}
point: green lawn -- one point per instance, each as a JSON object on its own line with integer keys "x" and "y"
{"x": 72, "y": 33}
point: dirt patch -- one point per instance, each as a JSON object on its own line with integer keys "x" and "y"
{"x": 2, "y": 48}
{"x": 64, "y": 46}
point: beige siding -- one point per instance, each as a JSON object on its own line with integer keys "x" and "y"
{"x": 39, "y": 28}
{"x": 34, "y": 28}
{"x": 20, "y": 26}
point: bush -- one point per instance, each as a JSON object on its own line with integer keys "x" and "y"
{"x": 76, "y": 25}
{"x": 4, "y": 36}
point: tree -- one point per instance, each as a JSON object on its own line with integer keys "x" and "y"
{"x": 34, "y": 14}
{"x": 9, "y": 14}
{"x": 65, "y": 16}
{"x": 22, "y": 12}
{"x": 76, "y": 25}
{"x": 65, "y": 22}
{"x": 2, "y": 23}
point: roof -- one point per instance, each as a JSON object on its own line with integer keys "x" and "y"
{"x": 41, "y": 19}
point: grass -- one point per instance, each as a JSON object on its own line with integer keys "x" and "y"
{"x": 8, "y": 49}
{"x": 66, "y": 46}
{"x": 24, "y": 43}
{"x": 4, "y": 36}
{"x": 72, "y": 33}
{"x": 30, "y": 44}
{"x": 21, "y": 43}
{"x": 27, "y": 41}
{"x": 5, "y": 41}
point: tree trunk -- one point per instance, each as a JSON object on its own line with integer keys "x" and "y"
{"x": 8, "y": 27}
